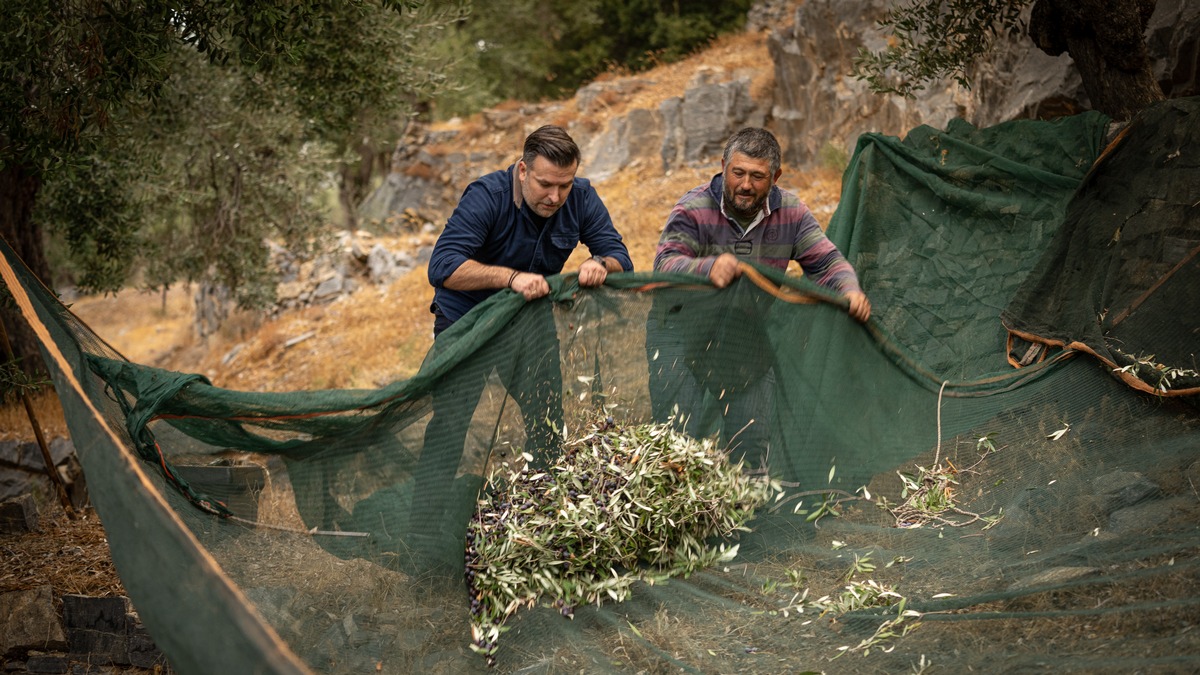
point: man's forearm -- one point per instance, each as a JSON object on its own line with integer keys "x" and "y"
{"x": 475, "y": 276}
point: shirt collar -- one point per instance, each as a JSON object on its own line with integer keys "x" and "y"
{"x": 518, "y": 196}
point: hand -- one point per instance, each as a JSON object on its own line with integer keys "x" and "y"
{"x": 860, "y": 306}
{"x": 724, "y": 270}
{"x": 592, "y": 273}
{"x": 530, "y": 285}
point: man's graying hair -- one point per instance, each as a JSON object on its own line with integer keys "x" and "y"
{"x": 757, "y": 143}
{"x": 554, "y": 144}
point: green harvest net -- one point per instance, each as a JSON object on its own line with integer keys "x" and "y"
{"x": 323, "y": 531}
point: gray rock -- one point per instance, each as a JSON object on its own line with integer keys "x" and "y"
{"x": 1053, "y": 577}
{"x": 628, "y": 138}
{"x": 143, "y": 653}
{"x": 1142, "y": 517}
{"x": 424, "y": 253}
{"x": 381, "y": 264}
{"x": 328, "y": 289}
{"x": 28, "y": 621}
{"x": 50, "y": 664}
{"x": 98, "y": 628}
{"x": 1173, "y": 39}
{"x": 696, "y": 127}
{"x": 1120, "y": 489}
{"x": 19, "y": 515}
{"x": 818, "y": 102}
{"x": 28, "y": 456}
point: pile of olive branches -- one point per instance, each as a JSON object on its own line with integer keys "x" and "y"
{"x": 622, "y": 504}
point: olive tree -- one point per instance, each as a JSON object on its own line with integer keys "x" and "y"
{"x": 935, "y": 39}
{"x": 79, "y": 77}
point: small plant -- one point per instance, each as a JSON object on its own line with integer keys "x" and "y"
{"x": 15, "y": 382}
{"x": 833, "y": 156}
{"x": 929, "y": 494}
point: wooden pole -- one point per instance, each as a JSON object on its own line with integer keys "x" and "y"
{"x": 51, "y": 471}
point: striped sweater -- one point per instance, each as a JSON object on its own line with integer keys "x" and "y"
{"x": 697, "y": 231}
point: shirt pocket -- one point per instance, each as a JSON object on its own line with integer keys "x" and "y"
{"x": 565, "y": 241}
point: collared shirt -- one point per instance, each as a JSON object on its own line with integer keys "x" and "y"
{"x": 698, "y": 231}
{"x": 492, "y": 225}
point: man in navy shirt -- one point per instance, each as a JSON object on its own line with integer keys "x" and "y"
{"x": 510, "y": 230}
{"x": 513, "y": 228}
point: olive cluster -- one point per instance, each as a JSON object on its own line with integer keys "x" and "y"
{"x": 620, "y": 504}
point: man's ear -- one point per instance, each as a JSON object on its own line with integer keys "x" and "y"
{"x": 778, "y": 173}
{"x": 522, "y": 170}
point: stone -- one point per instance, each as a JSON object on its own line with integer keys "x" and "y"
{"x": 1173, "y": 40}
{"x": 47, "y": 663}
{"x": 712, "y": 108}
{"x": 381, "y": 264}
{"x": 1053, "y": 577}
{"x": 19, "y": 515}
{"x": 143, "y": 653}
{"x": 1142, "y": 517}
{"x": 98, "y": 628}
{"x": 28, "y": 621}
{"x": 1120, "y": 489}
{"x": 328, "y": 289}
{"x": 636, "y": 134}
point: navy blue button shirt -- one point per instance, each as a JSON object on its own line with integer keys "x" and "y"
{"x": 492, "y": 225}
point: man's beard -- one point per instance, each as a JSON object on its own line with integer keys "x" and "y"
{"x": 732, "y": 208}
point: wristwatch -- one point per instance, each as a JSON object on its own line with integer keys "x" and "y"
{"x": 600, "y": 259}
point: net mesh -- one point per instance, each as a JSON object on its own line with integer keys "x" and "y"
{"x": 941, "y": 507}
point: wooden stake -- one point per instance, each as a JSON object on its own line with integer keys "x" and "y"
{"x": 51, "y": 471}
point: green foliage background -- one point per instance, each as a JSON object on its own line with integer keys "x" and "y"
{"x": 157, "y": 143}
{"x": 532, "y": 50}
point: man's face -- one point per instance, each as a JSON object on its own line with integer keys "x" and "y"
{"x": 748, "y": 181}
{"x": 545, "y": 186}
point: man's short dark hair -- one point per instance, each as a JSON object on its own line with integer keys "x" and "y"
{"x": 553, "y": 143}
{"x": 757, "y": 143}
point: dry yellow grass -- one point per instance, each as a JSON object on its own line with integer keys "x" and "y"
{"x": 380, "y": 334}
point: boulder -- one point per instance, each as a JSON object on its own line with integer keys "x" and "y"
{"x": 627, "y": 139}
{"x": 713, "y": 106}
{"x": 19, "y": 515}
{"x": 28, "y": 621}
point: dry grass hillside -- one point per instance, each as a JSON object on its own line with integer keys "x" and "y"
{"x": 373, "y": 336}
{"x": 380, "y": 333}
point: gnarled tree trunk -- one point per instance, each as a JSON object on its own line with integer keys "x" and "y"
{"x": 1106, "y": 39}
{"x": 19, "y": 186}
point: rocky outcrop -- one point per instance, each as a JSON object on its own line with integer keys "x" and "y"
{"x": 1173, "y": 39}
{"x": 92, "y": 633}
{"x": 356, "y": 260}
{"x": 23, "y": 471}
{"x": 817, "y": 108}
{"x": 818, "y": 101}
{"x": 711, "y": 108}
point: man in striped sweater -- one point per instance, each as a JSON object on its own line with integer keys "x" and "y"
{"x": 741, "y": 214}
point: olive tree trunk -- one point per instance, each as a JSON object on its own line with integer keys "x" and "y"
{"x": 1106, "y": 39}
{"x": 18, "y": 190}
